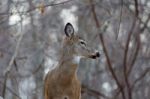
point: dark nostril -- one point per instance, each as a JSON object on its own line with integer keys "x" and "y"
{"x": 97, "y": 54}
{"x": 66, "y": 97}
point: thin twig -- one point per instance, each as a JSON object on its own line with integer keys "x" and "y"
{"x": 146, "y": 23}
{"x": 141, "y": 77}
{"x": 139, "y": 19}
{"x": 120, "y": 19}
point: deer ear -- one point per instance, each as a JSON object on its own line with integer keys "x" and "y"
{"x": 69, "y": 30}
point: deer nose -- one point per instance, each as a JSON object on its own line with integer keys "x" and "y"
{"x": 97, "y": 54}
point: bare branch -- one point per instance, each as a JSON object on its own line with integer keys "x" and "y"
{"x": 9, "y": 89}
{"x": 92, "y": 92}
{"x": 37, "y": 7}
{"x": 140, "y": 78}
{"x": 137, "y": 48}
{"x": 136, "y": 8}
{"x": 139, "y": 19}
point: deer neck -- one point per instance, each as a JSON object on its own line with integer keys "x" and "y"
{"x": 68, "y": 64}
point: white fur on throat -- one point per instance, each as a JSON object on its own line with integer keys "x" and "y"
{"x": 76, "y": 59}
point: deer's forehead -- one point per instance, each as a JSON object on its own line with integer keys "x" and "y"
{"x": 75, "y": 38}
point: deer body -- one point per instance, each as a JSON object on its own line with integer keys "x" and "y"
{"x": 62, "y": 82}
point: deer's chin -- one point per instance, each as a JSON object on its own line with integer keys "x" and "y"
{"x": 76, "y": 59}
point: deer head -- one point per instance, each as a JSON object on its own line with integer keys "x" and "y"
{"x": 74, "y": 46}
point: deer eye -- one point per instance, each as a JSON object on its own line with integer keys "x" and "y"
{"x": 82, "y": 43}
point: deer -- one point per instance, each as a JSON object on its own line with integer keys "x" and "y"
{"x": 62, "y": 82}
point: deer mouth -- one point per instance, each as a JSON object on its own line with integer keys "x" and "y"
{"x": 94, "y": 56}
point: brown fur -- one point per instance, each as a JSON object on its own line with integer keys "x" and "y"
{"x": 62, "y": 83}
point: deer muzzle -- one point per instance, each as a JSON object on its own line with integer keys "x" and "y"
{"x": 95, "y": 55}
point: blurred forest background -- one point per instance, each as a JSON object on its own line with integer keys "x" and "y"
{"x": 31, "y": 33}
